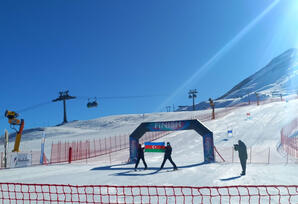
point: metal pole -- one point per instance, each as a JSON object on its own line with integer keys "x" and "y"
{"x": 86, "y": 151}
{"x": 110, "y": 150}
{"x": 5, "y": 149}
{"x": 193, "y": 103}
{"x": 64, "y": 108}
{"x": 192, "y": 94}
{"x": 43, "y": 138}
{"x": 69, "y": 154}
{"x": 250, "y": 154}
{"x": 106, "y": 150}
{"x": 269, "y": 156}
{"x": 257, "y": 96}
{"x": 232, "y": 154}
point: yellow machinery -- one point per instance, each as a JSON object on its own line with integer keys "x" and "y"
{"x": 13, "y": 121}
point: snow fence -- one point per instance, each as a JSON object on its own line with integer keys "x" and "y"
{"x": 53, "y": 193}
{"x": 289, "y": 139}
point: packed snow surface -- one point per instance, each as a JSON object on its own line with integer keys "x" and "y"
{"x": 262, "y": 129}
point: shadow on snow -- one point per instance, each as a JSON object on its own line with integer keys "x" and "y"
{"x": 231, "y": 178}
{"x": 130, "y": 171}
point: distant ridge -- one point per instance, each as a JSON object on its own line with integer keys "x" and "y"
{"x": 279, "y": 77}
{"x": 275, "y": 77}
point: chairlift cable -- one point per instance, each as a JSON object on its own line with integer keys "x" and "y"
{"x": 29, "y": 108}
{"x": 120, "y": 97}
{"x": 33, "y": 107}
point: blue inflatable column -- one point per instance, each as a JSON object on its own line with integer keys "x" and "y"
{"x": 208, "y": 148}
{"x": 133, "y": 149}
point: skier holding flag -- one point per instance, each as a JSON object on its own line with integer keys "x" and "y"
{"x": 140, "y": 156}
{"x": 168, "y": 153}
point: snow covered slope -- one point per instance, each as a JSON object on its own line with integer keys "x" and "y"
{"x": 262, "y": 130}
{"x": 279, "y": 77}
{"x": 95, "y": 128}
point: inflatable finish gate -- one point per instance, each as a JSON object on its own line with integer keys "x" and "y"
{"x": 196, "y": 125}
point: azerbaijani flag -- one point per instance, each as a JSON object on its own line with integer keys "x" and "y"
{"x": 155, "y": 147}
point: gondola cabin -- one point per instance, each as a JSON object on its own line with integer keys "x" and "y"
{"x": 92, "y": 104}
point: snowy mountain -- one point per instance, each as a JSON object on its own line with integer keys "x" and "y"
{"x": 278, "y": 78}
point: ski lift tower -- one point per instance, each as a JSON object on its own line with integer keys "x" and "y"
{"x": 193, "y": 94}
{"x": 63, "y": 97}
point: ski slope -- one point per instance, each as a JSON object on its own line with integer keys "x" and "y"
{"x": 262, "y": 130}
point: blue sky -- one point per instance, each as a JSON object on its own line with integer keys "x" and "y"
{"x": 114, "y": 48}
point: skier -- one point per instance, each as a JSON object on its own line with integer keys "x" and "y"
{"x": 241, "y": 148}
{"x": 167, "y": 155}
{"x": 140, "y": 156}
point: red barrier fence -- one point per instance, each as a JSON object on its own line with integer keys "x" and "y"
{"x": 289, "y": 141}
{"x": 96, "y": 147}
{"x": 53, "y": 193}
{"x": 221, "y": 112}
{"x": 255, "y": 155}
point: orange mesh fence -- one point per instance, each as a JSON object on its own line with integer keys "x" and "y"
{"x": 53, "y": 193}
{"x": 289, "y": 140}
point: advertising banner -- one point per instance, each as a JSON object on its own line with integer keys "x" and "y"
{"x": 20, "y": 159}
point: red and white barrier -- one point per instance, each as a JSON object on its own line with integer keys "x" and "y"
{"x": 290, "y": 144}
{"x": 92, "y": 148}
{"x": 53, "y": 193}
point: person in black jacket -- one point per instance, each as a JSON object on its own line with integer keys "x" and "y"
{"x": 140, "y": 156}
{"x": 241, "y": 148}
{"x": 168, "y": 153}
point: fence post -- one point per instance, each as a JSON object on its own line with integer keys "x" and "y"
{"x": 116, "y": 142}
{"x": 232, "y": 155}
{"x": 5, "y": 148}
{"x": 110, "y": 144}
{"x": 250, "y": 155}
{"x": 59, "y": 151}
{"x": 110, "y": 158}
{"x": 296, "y": 147}
{"x": 1, "y": 163}
{"x": 106, "y": 145}
{"x": 94, "y": 149}
{"x": 269, "y": 156}
{"x": 86, "y": 150}
{"x": 69, "y": 154}
{"x": 100, "y": 141}
{"x": 51, "y": 153}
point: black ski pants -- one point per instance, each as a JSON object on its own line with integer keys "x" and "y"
{"x": 243, "y": 165}
{"x": 138, "y": 160}
{"x": 170, "y": 159}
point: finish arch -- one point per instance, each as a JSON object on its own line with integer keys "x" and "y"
{"x": 177, "y": 125}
